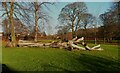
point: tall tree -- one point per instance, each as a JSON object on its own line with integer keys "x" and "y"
{"x": 86, "y": 21}
{"x": 38, "y": 14}
{"x": 70, "y": 14}
{"x": 110, "y": 20}
{"x": 9, "y": 13}
{"x": 30, "y": 13}
{"x": 62, "y": 31}
{"x": 19, "y": 27}
{"x": 14, "y": 10}
{"x": 36, "y": 20}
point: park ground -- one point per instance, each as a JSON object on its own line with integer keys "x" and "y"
{"x": 54, "y": 59}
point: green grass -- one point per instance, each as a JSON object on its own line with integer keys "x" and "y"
{"x": 102, "y": 41}
{"x": 52, "y": 59}
{"x": 47, "y": 41}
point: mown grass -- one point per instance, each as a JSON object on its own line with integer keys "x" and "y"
{"x": 47, "y": 41}
{"x": 102, "y": 41}
{"x": 53, "y": 59}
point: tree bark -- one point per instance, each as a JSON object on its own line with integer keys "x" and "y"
{"x": 73, "y": 32}
{"x": 36, "y": 21}
{"x": 12, "y": 25}
{"x": 76, "y": 27}
{"x": 7, "y": 23}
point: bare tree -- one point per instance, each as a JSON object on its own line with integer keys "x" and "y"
{"x": 63, "y": 30}
{"x": 38, "y": 14}
{"x": 19, "y": 27}
{"x": 9, "y": 13}
{"x": 110, "y": 20}
{"x": 26, "y": 12}
{"x": 86, "y": 20}
{"x": 70, "y": 13}
{"x": 36, "y": 20}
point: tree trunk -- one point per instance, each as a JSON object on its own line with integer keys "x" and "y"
{"x": 84, "y": 30}
{"x": 12, "y": 25}
{"x": 73, "y": 32}
{"x": 76, "y": 27}
{"x": 95, "y": 38}
{"x": 36, "y": 21}
{"x": 104, "y": 40}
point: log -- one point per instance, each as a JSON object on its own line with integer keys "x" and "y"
{"x": 96, "y": 48}
{"x": 47, "y": 44}
{"x": 72, "y": 45}
{"x": 93, "y": 48}
{"x": 76, "y": 47}
{"x": 74, "y": 38}
{"x": 85, "y": 45}
{"x": 99, "y": 49}
{"x": 30, "y": 44}
{"x": 24, "y": 41}
{"x": 66, "y": 45}
{"x": 80, "y": 39}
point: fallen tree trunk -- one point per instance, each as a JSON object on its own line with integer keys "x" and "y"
{"x": 76, "y": 47}
{"x": 71, "y": 44}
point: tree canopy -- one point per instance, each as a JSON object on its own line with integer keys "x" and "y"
{"x": 75, "y": 15}
{"x": 110, "y": 20}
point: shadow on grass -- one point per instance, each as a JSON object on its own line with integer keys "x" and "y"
{"x": 89, "y": 64}
{"x": 53, "y": 68}
{"x": 95, "y": 64}
{"x": 6, "y": 69}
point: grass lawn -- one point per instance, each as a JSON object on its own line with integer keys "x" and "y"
{"x": 47, "y": 41}
{"x": 52, "y": 59}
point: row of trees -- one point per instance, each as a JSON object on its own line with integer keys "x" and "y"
{"x": 29, "y": 13}
{"x": 75, "y": 17}
{"x": 111, "y": 23}
{"x": 19, "y": 27}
